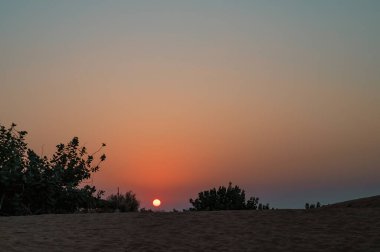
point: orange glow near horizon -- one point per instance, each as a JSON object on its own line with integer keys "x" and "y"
{"x": 189, "y": 95}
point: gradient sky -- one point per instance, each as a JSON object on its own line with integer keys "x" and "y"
{"x": 279, "y": 97}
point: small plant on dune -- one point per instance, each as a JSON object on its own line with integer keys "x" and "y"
{"x": 144, "y": 210}
{"x": 263, "y": 207}
{"x": 124, "y": 203}
{"x": 313, "y": 206}
{"x": 252, "y": 203}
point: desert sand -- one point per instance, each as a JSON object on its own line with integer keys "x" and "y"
{"x": 325, "y": 229}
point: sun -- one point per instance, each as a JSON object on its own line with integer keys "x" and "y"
{"x": 156, "y": 202}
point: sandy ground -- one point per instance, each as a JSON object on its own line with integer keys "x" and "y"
{"x": 274, "y": 230}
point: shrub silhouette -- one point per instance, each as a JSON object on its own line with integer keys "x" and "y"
{"x": 263, "y": 207}
{"x": 124, "y": 203}
{"x": 312, "y": 206}
{"x": 230, "y": 198}
{"x": 30, "y": 184}
{"x": 144, "y": 210}
{"x": 252, "y": 203}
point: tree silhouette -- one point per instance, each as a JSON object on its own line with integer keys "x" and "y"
{"x": 12, "y": 164}
{"x": 30, "y": 184}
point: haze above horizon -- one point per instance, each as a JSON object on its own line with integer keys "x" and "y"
{"x": 281, "y": 98}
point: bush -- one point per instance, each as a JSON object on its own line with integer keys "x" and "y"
{"x": 312, "y": 206}
{"x": 124, "y": 203}
{"x": 307, "y": 206}
{"x": 230, "y": 198}
{"x": 144, "y": 210}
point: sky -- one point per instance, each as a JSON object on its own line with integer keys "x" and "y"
{"x": 279, "y": 97}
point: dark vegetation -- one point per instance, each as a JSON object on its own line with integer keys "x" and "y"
{"x": 312, "y": 206}
{"x": 230, "y": 198}
{"x": 31, "y": 184}
{"x": 123, "y": 203}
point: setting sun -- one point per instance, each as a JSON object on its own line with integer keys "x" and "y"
{"x": 156, "y": 202}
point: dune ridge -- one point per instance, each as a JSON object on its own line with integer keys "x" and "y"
{"x": 367, "y": 202}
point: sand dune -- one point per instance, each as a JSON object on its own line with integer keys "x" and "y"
{"x": 348, "y": 229}
{"x": 367, "y": 202}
